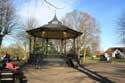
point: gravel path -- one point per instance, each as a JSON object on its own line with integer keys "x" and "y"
{"x": 90, "y": 73}
{"x": 56, "y": 75}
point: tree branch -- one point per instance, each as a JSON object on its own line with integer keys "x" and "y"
{"x": 51, "y": 4}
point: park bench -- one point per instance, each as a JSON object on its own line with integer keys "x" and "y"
{"x": 6, "y": 76}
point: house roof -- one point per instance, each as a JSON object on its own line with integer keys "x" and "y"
{"x": 54, "y": 30}
{"x": 110, "y": 50}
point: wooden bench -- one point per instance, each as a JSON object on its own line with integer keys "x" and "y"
{"x": 9, "y": 77}
{"x": 6, "y": 76}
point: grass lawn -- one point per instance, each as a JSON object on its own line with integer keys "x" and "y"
{"x": 95, "y": 59}
{"x": 118, "y": 60}
{"x": 89, "y": 59}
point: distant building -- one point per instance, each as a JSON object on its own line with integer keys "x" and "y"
{"x": 116, "y": 52}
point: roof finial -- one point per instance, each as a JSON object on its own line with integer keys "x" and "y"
{"x": 55, "y": 17}
{"x": 55, "y": 20}
{"x": 55, "y": 12}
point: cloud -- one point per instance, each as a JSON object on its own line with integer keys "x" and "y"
{"x": 42, "y": 11}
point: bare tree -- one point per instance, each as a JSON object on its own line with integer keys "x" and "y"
{"x": 121, "y": 27}
{"x": 7, "y": 18}
{"x": 85, "y": 23}
{"x": 22, "y": 37}
{"x": 49, "y": 3}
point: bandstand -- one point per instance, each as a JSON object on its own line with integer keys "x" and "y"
{"x": 53, "y": 30}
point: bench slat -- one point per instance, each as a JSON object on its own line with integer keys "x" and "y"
{"x": 6, "y": 73}
{"x": 6, "y": 79}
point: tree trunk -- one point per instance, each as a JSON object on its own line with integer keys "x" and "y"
{"x": 1, "y": 38}
{"x": 84, "y": 54}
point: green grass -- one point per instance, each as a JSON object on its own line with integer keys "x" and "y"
{"x": 118, "y": 60}
{"x": 90, "y": 59}
{"x": 95, "y": 59}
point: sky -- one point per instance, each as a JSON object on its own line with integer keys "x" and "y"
{"x": 106, "y": 13}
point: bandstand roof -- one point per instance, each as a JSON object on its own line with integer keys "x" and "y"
{"x": 54, "y": 30}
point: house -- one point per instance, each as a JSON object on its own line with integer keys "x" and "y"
{"x": 116, "y": 52}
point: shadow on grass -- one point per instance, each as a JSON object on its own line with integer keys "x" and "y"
{"x": 94, "y": 75}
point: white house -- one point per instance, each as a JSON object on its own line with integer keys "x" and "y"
{"x": 116, "y": 52}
